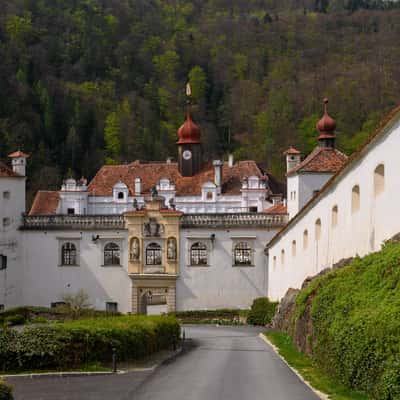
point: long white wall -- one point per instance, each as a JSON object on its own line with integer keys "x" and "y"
{"x": 356, "y": 231}
{"x": 11, "y": 206}
{"x": 45, "y": 281}
{"x": 220, "y": 284}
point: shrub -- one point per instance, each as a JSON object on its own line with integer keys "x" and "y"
{"x": 73, "y": 343}
{"x": 222, "y": 316}
{"x": 261, "y": 312}
{"x": 17, "y": 319}
{"x": 5, "y": 391}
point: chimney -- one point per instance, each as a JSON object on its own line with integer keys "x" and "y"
{"x": 218, "y": 174}
{"x": 230, "y": 160}
{"x": 293, "y": 158}
{"x": 138, "y": 186}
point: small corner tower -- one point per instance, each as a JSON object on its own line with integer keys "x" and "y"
{"x": 189, "y": 144}
{"x": 293, "y": 158}
{"x": 326, "y": 127}
{"x": 18, "y": 162}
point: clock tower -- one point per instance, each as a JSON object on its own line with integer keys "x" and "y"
{"x": 189, "y": 146}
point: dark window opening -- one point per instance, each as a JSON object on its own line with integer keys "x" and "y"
{"x": 3, "y": 262}
{"x": 242, "y": 254}
{"x": 111, "y": 254}
{"x": 198, "y": 254}
{"x": 6, "y": 195}
{"x": 71, "y": 211}
{"x": 153, "y": 254}
{"x": 121, "y": 195}
{"x": 1, "y": 307}
{"x": 253, "y": 209}
{"x": 68, "y": 254}
{"x": 112, "y": 307}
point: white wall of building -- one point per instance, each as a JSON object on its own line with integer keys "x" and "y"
{"x": 12, "y": 205}
{"x": 356, "y": 232}
{"x": 220, "y": 284}
{"x": 45, "y": 281}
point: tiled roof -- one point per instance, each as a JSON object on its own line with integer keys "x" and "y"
{"x": 150, "y": 173}
{"x": 277, "y": 209}
{"x": 389, "y": 120}
{"x": 7, "y": 172}
{"x": 292, "y": 150}
{"x": 45, "y": 203}
{"x": 18, "y": 154}
{"x": 321, "y": 159}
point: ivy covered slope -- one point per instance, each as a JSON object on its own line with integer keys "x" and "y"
{"x": 89, "y": 82}
{"x": 349, "y": 321}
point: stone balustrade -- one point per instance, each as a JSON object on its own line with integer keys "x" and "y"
{"x": 81, "y": 222}
{"x": 245, "y": 220}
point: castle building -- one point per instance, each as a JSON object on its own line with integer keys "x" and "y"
{"x": 149, "y": 237}
{"x": 338, "y": 208}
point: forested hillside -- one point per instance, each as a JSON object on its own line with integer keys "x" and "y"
{"x": 88, "y": 82}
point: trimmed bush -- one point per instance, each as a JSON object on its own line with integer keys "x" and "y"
{"x": 74, "y": 343}
{"x": 262, "y": 311}
{"x": 5, "y": 391}
{"x": 222, "y": 316}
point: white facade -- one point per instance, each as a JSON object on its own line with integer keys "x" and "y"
{"x": 352, "y": 216}
{"x": 221, "y": 283}
{"x": 12, "y": 205}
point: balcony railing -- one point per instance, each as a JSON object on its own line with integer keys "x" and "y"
{"x": 247, "y": 220}
{"x": 83, "y": 222}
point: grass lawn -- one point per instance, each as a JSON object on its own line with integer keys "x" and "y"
{"x": 311, "y": 373}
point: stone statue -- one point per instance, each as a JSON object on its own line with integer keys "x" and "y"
{"x": 135, "y": 204}
{"x": 154, "y": 192}
{"x": 152, "y": 228}
{"x": 135, "y": 249}
{"x": 171, "y": 249}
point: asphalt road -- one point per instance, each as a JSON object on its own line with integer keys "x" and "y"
{"x": 223, "y": 363}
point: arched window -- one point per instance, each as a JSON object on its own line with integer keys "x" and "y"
{"x": 282, "y": 257}
{"x": 134, "y": 253}
{"x": 305, "y": 239}
{"x": 294, "y": 248}
{"x": 379, "y": 179}
{"x": 209, "y": 196}
{"x": 111, "y": 254}
{"x": 318, "y": 229}
{"x": 120, "y": 195}
{"x": 355, "y": 199}
{"x": 274, "y": 262}
{"x": 153, "y": 254}
{"x": 242, "y": 254}
{"x": 198, "y": 254}
{"x": 68, "y": 254}
{"x": 335, "y": 212}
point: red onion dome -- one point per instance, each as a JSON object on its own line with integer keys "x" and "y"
{"x": 189, "y": 132}
{"x": 326, "y": 125}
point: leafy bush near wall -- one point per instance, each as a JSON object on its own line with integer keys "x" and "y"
{"x": 262, "y": 311}
{"x": 5, "y": 391}
{"x": 351, "y": 319}
{"x": 74, "y": 343}
{"x": 223, "y": 316}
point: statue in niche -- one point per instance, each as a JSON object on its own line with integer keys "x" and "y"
{"x": 135, "y": 204}
{"x": 152, "y": 228}
{"x": 171, "y": 249}
{"x": 135, "y": 249}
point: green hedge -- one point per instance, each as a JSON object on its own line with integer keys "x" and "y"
{"x": 5, "y": 391}
{"x": 354, "y": 314}
{"x": 229, "y": 316}
{"x": 262, "y": 311}
{"x": 74, "y": 343}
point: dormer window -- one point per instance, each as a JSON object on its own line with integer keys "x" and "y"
{"x": 120, "y": 192}
{"x": 121, "y": 195}
{"x": 254, "y": 182}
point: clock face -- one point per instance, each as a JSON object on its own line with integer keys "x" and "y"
{"x": 187, "y": 155}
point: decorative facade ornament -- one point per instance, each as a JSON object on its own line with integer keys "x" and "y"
{"x": 152, "y": 228}
{"x": 171, "y": 249}
{"x": 135, "y": 250}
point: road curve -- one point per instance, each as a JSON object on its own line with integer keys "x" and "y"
{"x": 227, "y": 363}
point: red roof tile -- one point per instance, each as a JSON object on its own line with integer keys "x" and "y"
{"x": 292, "y": 150}
{"x": 7, "y": 172}
{"x": 18, "y": 154}
{"x": 45, "y": 203}
{"x": 321, "y": 159}
{"x": 277, "y": 209}
{"x": 150, "y": 173}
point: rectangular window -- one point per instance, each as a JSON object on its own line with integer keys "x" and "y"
{"x": 6, "y": 195}
{"x": 242, "y": 254}
{"x": 6, "y": 222}
{"x": 3, "y": 262}
{"x": 253, "y": 209}
{"x": 71, "y": 211}
{"x": 112, "y": 307}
